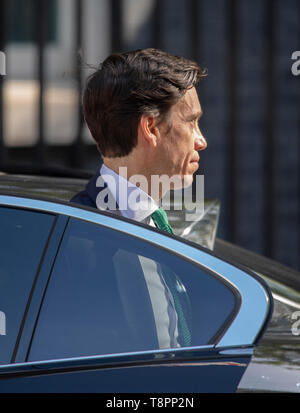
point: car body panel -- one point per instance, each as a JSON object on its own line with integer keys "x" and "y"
{"x": 275, "y": 365}
{"x": 198, "y": 371}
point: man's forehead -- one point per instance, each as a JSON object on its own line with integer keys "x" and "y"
{"x": 189, "y": 105}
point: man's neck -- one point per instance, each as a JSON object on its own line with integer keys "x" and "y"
{"x": 133, "y": 202}
{"x": 137, "y": 176}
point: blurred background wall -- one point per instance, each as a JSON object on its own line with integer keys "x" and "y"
{"x": 251, "y": 99}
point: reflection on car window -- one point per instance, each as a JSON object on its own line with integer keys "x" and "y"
{"x": 23, "y": 236}
{"x": 111, "y": 293}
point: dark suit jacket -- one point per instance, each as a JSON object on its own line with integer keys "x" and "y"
{"x": 89, "y": 195}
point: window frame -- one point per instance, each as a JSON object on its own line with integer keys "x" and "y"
{"x": 36, "y": 274}
{"x": 218, "y": 333}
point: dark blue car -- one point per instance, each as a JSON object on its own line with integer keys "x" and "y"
{"x": 78, "y": 309}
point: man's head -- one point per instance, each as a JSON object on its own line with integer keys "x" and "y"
{"x": 129, "y": 85}
{"x": 144, "y": 103}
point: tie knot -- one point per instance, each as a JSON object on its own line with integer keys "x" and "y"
{"x": 161, "y": 220}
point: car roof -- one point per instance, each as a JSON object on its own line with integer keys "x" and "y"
{"x": 55, "y": 187}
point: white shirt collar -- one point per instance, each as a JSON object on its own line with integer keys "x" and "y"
{"x": 133, "y": 202}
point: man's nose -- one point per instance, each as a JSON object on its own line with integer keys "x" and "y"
{"x": 200, "y": 142}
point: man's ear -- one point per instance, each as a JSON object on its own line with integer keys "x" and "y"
{"x": 148, "y": 131}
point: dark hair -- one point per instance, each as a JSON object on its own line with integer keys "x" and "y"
{"x": 128, "y": 85}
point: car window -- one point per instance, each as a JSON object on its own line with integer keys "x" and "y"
{"x": 110, "y": 292}
{"x": 23, "y": 236}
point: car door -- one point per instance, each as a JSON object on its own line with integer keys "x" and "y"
{"x": 128, "y": 308}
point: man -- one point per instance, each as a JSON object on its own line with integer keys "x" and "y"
{"x": 142, "y": 110}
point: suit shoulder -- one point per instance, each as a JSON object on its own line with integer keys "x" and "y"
{"x": 83, "y": 198}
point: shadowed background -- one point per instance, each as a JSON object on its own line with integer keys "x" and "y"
{"x": 251, "y": 100}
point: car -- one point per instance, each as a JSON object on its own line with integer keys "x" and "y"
{"x": 77, "y": 314}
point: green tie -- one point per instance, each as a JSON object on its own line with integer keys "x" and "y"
{"x": 161, "y": 221}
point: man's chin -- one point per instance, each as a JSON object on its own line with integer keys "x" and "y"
{"x": 182, "y": 182}
{"x": 187, "y": 181}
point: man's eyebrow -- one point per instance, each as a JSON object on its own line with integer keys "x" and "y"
{"x": 194, "y": 116}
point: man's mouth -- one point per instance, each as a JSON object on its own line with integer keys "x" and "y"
{"x": 195, "y": 160}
